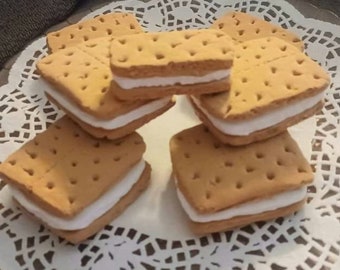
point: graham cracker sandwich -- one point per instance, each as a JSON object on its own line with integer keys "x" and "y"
{"x": 153, "y": 65}
{"x": 79, "y": 79}
{"x": 273, "y": 85}
{"x": 221, "y": 187}
{"x": 111, "y": 24}
{"x": 73, "y": 183}
{"x": 242, "y": 27}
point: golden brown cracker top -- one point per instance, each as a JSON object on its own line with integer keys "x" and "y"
{"x": 82, "y": 73}
{"x": 267, "y": 73}
{"x": 213, "y": 176}
{"x": 111, "y": 24}
{"x": 64, "y": 169}
{"x": 243, "y": 26}
{"x": 188, "y": 52}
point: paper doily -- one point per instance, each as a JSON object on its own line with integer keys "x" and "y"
{"x": 308, "y": 239}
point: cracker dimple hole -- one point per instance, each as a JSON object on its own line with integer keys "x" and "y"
{"x": 263, "y": 47}
{"x": 316, "y": 77}
{"x": 258, "y": 56}
{"x": 197, "y": 141}
{"x": 239, "y": 185}
{"x": 73, "y": 181}
{"x": 74, "y": 163}
{"x": 96, "y": 160}
{"x": 67, "y": 63}
{"x": 63, "y": 46}
{"x": 221, "y": 25}
{"x": 101, "y": 20}
{"x": 83, "y": 88}
{"x": 270, "y": 175}
{"x": 155, "y": 38}
{"x": 252, "y": 22}
{"x": 118, "y": 158}
{"x": 109, "y": 31}
{"x": 244, "y": 80}
{"x": 274, "y": 30}
{"x": 93, "y": 28}
{"x": 237, "y": 93}
{"x": 32, "y": 154}
{"x": 80, "y": 27}
{"x": 296, "y": 40}
{"x": 301, "y": 170}
{"x": 208, "y": 195}
{"x": 249, "y": 169}
{"x": 159, "y": 56}
{"x": 259, "y": 155}
{"x": 266, "y": 83}
{"x": 132, "y": 26}
{"x": 237, "y": 22}
{"x": 96, "y": 144}
{"x": 186, "y": 155}
{"x": 174, "y": 45}
{"x": 66, "y": 74}
{"x": 224, "y": 51}
{"x": 289, "y": 86}
{"x": 140, "y": 48}
{"x": 71, "y": 200}
{"x": 36, "y": 142}
{"x": 95, "y": 177}
{"x": 257, "y": 31}
{"x": 279, "y": 162}
{"x": 283, "y": 48}
{"x": 258, "y": 97}
{"x": 204, "y": 42}
{"x": 69, "y": 53}
{"x": 195, "y": 176}
{"x": 244, "y": 47}
{"x": 85, "y": 38}
{"x": 30, "y": 172}
{"x": 50, "y": 185}
{"x": 12, "y": 162}
{"x": 122, "y": 41}
{"x": 300, "y": 61}
{"x": 71, "y": 36}
{"x": 273, "y": 70}
{"x": 187, "y": 36}
{"x": 192, "y": 53}
{"x": 104, "y": 89}
{"x": 87, "y": 64}
{"x": 53, "y": 151}
{"x": 240, "y": 32}
{"x": 297, "y": 73}
{"x": 57, "y": 34}
{"x": 217, "y": 179}
{"x": 123, "y": 59}
{"x": 228, "y": 164}
{"x": 288, "y": 150}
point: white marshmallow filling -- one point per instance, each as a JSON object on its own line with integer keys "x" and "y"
{"x": 245, "y": 209}
{"x": 130, "y": 83}
{"x": 271, "y": 118}
{"x": 110, "y": 124}
{"x": 91, "y": 212}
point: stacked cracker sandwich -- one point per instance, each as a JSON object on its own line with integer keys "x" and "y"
{"x": 110, "y": 78}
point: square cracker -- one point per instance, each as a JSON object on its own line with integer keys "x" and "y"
{"x": 243, "y": 26}
{"x": 63, "y": 169}
{"x": 111, "y": 24}
{"x": 82, "y": 73}
{"x": 177, "y": 53}
{"x": 213, "y": 176}
{"x": 267, "y": 73}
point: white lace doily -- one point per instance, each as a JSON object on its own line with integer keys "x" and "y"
{"x": 152, "y": 234}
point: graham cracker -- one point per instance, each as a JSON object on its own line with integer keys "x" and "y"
{"x": 244, "y": 26}
{"x": 256, "y": 135}
{"x": 213, "y": 176}
{"x": 117, "y": 132}
{"x": 188, "y": 52}
{"x": 239, "y": 221}
{"x": 82, "y": 74}
{"x": 111, "y": 24}
{"x": 63, "y": 169}
{"x": 78, "y": 236}
{"x": 256, "y": 87}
